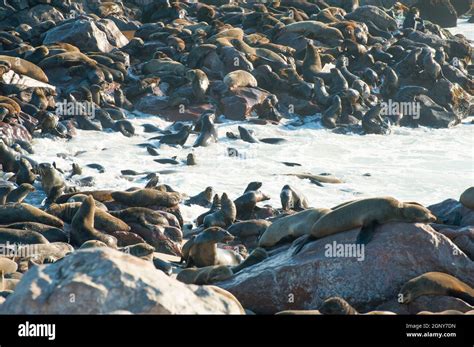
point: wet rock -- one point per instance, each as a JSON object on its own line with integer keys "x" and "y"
{"x": 38, "y": 14}
{"x": 87, "y": 35}
{"x": 12, "y": 132}
{"x": 449, "y": 212}
{"x": 104, "y": 280}
{"x": 397, "y": 253}
{"x": 239, "y": 105}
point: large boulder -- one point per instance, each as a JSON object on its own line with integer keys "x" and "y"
{"x": 38, "y": 14}
{"x": 452, "y": 212}
{"x": 87, "y": 35}
{"x": 103, "y": 280}
{"x": 397, "y": 253}
{"x": 12, "y": 132}
{"x": 239, "y": 103}
{"x": 442, "y": 12}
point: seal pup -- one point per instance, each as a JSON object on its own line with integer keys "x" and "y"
{"x": 290, "y": 199}
{"x": 51, "y": 180}
{"x": 246, "y": 136}
{"x": 20, "y": 193}
{"x": 203, "y": 199}
{"x": 366, "y": 214}
{"x": 204, "y": 250}
{"x": 178, "y": 138}
{"x": 205, "y": 275}
{"x": 436, "y": 283}
{"x": 25, "y": 172}
{"x": 208, "y": 132}
{"x": 292, "y": 226}
{"x": 336, "y": 305}
{"x": 82, "y": 226}
{"x": 258, "y": 255}
{"x": 223, "y": 217}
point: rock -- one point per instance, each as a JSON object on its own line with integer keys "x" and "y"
{"x": 449, "y": 211}
{"x": 152, "y": 104}
{"x": 103, "y": 280}
{"x": 87, "y": 35}
{"x": 440, "y": 12}
{"x": 433, "y": 115}
{"x": 38, "y": 14}
{"x": 238, "y": 105}
{"x": 12, "y": 132}
{"x": 397, "y": 253}
{"x": 380, "y": 18}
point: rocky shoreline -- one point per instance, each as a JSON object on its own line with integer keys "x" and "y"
{"x": 362, "y": 69}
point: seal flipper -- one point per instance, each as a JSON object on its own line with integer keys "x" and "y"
{"x": 301, "y": 242}
{"x": 366, "y": 233}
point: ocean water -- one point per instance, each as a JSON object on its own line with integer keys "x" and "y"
{"x": 424, "y": 165}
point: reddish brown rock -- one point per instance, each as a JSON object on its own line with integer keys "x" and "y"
{"x": 238, "y": 105}
{"x": 14, "y": 132}
{"x": 152, "y": 104}
{"x": 397, "y": 253}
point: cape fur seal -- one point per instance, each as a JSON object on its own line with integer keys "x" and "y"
{"x": 366, "y": 214}
{"x": 102, "y": 219}
{"x": 223, "y": 217}
{"x": 147, "y": 197}
{"x": 294, "y": 226}
{"x": 205, "y": 275}
{"x": 82, "y": 226}
{"x": 239, "y": 79}
{"x": 20, "y": 212}
{"x": 467, "y": 198}
{"x": 20, "y": 193}
{"x": 290, "y": 199}
{"x": 436, "y": 283}
{"x": 204, "y": 250}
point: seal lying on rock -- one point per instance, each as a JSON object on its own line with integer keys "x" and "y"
{"x": 83, "y": 226}
{"x": 436, "y": 283}
{"x": 293, "y": 226}
{"x": 366, "y": 214}
{"x": 146, "y": 197}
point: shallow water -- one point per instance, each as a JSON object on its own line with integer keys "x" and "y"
{"x": 424, "y": 165}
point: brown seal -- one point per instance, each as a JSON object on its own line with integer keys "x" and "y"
{"x": 13, "y": 213}
{"x": 293, "y": 226}
{"x": 223, "y": 217}
{"x": 147, "y": 197}
{"x": 82, "y": 226}
{"x": 366, "y": 214}
{"x": 102, "y": 219}
{"x": 436, "y": 283}
{"x": 205, "y": 275}
{"x": 204, "y": 250}
{"x": 20, "y": 193}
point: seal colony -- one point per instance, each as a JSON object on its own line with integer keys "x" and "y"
{"x": 193, "y": 63}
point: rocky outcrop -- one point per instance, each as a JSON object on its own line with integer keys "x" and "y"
{"x": 397, "y": 253}
{"x": 87, "y": 35}
{"x": 103, "y": 280}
